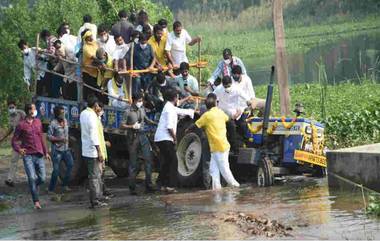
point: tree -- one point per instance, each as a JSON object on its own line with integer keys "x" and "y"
{"x": 281, "y": 59}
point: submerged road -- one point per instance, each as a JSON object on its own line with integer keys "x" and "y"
{"x": 305, "y": 206}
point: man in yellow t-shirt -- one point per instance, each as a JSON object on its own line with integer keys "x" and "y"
{"x": 158, "y": 42}
{"x": 214, "y": 123}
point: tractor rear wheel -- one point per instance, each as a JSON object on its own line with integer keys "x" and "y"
{"x": 193, "y": 156}
{"x": 264, "y": 174}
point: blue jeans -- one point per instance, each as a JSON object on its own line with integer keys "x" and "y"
{"x": 35, "y": 170}
{"x": 57, "y": 157}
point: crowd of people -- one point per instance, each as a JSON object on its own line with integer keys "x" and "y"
{"x": 125, "y": 46}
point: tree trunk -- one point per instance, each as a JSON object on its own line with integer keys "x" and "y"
{"x": 281, "y": 60}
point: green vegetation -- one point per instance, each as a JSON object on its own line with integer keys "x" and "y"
{"x": 24, "y": 20}
{"x": 248, "y": 44}
{"x": 348, "y": 121}
{"x": 374, "y": 204}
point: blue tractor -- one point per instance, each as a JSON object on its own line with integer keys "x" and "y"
{"x": 269, "y": 148}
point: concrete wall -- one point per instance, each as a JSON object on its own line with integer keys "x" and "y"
{"x": 358, "y": 164}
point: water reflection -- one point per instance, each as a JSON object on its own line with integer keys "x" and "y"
{"x": 345, "y": 60}
{"x": 309, "y": 206}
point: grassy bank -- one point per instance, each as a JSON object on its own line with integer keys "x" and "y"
{"x": 251, "y": 43}
{"x": 352, "y": 111}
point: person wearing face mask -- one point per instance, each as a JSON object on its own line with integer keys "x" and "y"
{"x": 224, "y": 68}
{"x": 213, "y": 121}
{"x": 68, "y": 40}
{"x": 89, "y": 74}
{"x": 165, "y": 138}
{"x": 93, "y": 149}
{"x": 29, "y": 59}
{"x": 118, "y": 90}
{"x": 58, "y": 135}
{"x": 105, "y": 40}
{"x": 137, "y": 141}
{"x": 164, "y": 25}
{"x": 157, "y": 88}
{"x": 232, "y": 100}
{"x": 188, "y": 84}
{"x": 14, "y": 117}
{"x": 121, "y": 50}
{"x": 176, "y": 44}
{"x": 244, "y": 83}
{"x": 29, "y": 143}
{"x": 143, "y": 58}
{"x": 105, "y": 71}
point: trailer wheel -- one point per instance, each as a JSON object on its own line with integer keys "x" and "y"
{"x": 264, "y": 176}
{"x": 79, "y": 171}
{"x": 193, "y": 156}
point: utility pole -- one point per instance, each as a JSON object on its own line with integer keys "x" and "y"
{"x": 281, "y": 59}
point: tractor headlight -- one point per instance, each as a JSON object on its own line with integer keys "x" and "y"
{"x": 319, "y": 133}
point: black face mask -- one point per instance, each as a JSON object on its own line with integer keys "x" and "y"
{"x": 236, "y": 78}
{"x": 61, "y": 117}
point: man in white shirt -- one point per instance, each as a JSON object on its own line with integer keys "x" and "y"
{"x": 245, "y": 85}
{"x": 87, "y": 19}
{"x": 232, "y": 100}
{"x": 224, "y": 68}
{"x": 119, "y": 53}
{"x": 91, "y": 149}
{"x": 117, "y": 88}
{"x": 165, "y": 138}
{"x": 176, "y": 44}
{"x": 29, "y": 57}
{"x": 105, "y": 40}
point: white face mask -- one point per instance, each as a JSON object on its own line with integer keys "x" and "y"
{"x": 143, "y": 46}
{"x": 26, "y": 51}
{"x": 136, "y": 40}
{"x": 11, "y": 110}
{"x": 227, "y": 61}
{"x": 228, "y": 89}
{"x": 139, "y": 104}
{"x": 104, "y": 38}
{"x": 34, "y": 113}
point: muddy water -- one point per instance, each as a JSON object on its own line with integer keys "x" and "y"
{"x": 308, "y": 206}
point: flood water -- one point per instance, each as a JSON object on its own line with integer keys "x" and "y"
{"x": 345, "y": 60}
{"x": 307, "y": 205}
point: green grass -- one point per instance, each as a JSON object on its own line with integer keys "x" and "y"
{"x": 339, "y": 98}
{"x": 352, "y": 112}
{"x": 251, "y": 43}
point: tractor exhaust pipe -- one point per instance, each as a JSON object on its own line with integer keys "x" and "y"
{"x": 268, "y": 104}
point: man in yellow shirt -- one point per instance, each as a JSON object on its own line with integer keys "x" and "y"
{"x": 214, "y": 123}
{"x": 158, "y": 42}
{"x": 89, "y": 74}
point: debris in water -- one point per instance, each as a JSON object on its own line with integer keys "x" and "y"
{"x": 259, "y": 226}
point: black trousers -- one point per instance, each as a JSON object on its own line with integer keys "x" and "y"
{"x": 169, "y": 164}
{"x": 232, "y": 135}
{"x": 70, "y": 91}
{"x": 91, "y": 81}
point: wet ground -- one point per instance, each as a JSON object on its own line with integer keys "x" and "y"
{"x": 304, "y": 207}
